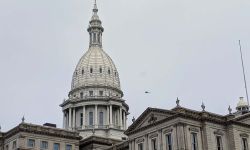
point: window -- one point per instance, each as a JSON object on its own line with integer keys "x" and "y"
{"x": 44, "y": 145}
{"x": 100, "y": 93}
{"x": 91, "y": 70}
{"x": 109, "y": 71}
{"x": 100, "y": 70}
{"x": 81, "y": 119}
{"x": 7, "y": 147}
{"x": 91, "y": 93}
{"x": 219, "y": 143}
{"x": 14, "y": 145}
{"x": 68, "y": 147}
{"x": 81, "y": 94}
{"x": 244, "y": 144}
{"x": 153, "y": 144}
{"x": 82, "y": 71}
{"x": 101, "y": 118}
{"x": 91, "y": 119}
{"x": 56, "y": 146}
{"x": 31, "y": 143}
{"x": 194, "y": 141}
{"x": 169, "y": 142}
{"x": 76, "y": 73}
{"x": 140, "y": 146}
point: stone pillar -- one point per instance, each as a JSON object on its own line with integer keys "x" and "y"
{"x": 124, "y": 120}
{"x": 180, "y": 136}
{"x": 74, "y": 118}
{"x": 120, "y": 118}
{"x": 160, "y": 142}
{"x": 64, "y": 120}
{"x": 83, "y": 117}
{"x": 96, "y": 123}
{"x": 107, "y": 116}
{"x": 110, "y": 116}
{"x": 70, "y": 121}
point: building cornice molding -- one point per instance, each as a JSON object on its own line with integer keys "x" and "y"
{"x": 95, "y": 86}
{"x": 42, "y": 130}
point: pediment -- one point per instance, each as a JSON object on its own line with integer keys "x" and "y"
{"x": 150, "y": 116}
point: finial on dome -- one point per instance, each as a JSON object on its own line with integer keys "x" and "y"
{"x": 95, "y": 7}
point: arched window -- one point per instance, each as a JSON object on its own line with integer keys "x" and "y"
{"x": 94, "y": 37}
{"x": 101, "y": 118}
{"x": 81, "y": 119}
{"x": 91, "y": 70}
{"x": 81, "y": 95}
{"x": 91, "y": 119}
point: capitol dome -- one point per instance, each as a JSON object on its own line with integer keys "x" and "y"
{"x": 95, "y": 68}
{"x": 95, "y": 73}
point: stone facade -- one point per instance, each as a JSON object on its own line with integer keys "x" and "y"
{"x": 184, "y": 129}
{"x": 35, "y": 137}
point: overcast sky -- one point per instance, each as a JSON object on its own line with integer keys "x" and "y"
{"x": 172, "y": 48}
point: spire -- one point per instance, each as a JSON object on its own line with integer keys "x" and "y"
{"x": 95, "y": 29}
{"x": 95, "y": 10}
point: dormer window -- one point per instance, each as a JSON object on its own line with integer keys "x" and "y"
{"x": 91, "y": 70}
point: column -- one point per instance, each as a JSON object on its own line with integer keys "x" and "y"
{"x": 74, "y": 118}
{"x": 83, "y": 117}
{"x": 70, "y": 118}
{"x": 124, "y": 120}
{"x": 96, "y": 123}
{"x": 64, "y": 119}
{"x": 120, "y": 117}
{"x": 110, "y": 116}
{"x": 107, "y": 116}
{"x": 180, "y": 136}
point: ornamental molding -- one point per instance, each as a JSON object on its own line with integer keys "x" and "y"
{"x": 153, "y": 135}
{"x": 193, "y": 129}
{"x": 167, "y": 131}
{"x": 218, "y": 132}
{"x": 141, "y": 140}
{"x": 244, "y": 135}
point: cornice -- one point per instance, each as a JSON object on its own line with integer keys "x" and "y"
{"x": 180, "y": 112}
{"x": 42, "y": 130}
{"x": 95, "y": 86}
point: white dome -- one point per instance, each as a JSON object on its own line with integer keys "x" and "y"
{"x": 95, "y": 68}
{"x": 242, "y": 103}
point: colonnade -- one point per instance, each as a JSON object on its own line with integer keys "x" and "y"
{"x": 69, "y": 119}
